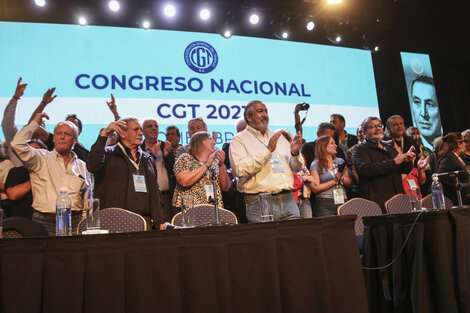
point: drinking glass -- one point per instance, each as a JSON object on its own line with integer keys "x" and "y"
{"x": 92, "y": 214}
{"x": 186, "y": 206}
{"x": 266, "y": 207}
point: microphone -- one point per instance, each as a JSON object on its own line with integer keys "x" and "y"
{"x": 450, "y": 173}
{"x": 167, "y": 225}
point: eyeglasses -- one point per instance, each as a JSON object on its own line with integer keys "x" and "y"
{"x": 460, "y": 141}
{"x": 375, "y": 126}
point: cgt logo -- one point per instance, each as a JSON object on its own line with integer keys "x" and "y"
{"x": 201, "y": 57}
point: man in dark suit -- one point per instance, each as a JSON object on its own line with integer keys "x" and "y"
{"x": 343, "y": 140}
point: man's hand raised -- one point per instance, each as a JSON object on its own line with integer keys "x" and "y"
{"x": 19, "y": 89}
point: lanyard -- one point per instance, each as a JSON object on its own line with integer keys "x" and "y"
{"x": 136, "y": 165}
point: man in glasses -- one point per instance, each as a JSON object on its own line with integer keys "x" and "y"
{"x": 379, "y": 164}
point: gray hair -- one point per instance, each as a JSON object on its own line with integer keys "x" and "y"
{"x": 249, "y": 110}
{"x": 367, "y": 120}
{"x": 69, "y": 124}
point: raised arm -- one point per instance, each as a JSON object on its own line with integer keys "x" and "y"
{"x": 113, "y": 108}
{"x": 8, "y": 123}
{"x": 19, "y": 144}
{"x": 47, "y": 98}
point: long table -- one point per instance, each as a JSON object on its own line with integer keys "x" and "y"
{"x": 432, "y": 273}
{"x": 294, "y": 266}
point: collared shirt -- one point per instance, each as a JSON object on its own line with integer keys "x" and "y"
{"x": 162, "y": 176}
{"x": 48, "y": 173}
{"x": 5, "y": 167}
{"x": 343, "y": 145}
{"x": 250, "y": 162}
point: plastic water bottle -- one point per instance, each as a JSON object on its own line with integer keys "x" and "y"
{"x": 63, "y": 218}
{"x": 437, "y": 194}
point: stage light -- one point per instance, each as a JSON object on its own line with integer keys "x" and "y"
{"x": 227, "y": 34}
{"x": 114, "y": 5}
{"x": 310, "y": 25}
{"x": 334, "y": 1}
{"x": 82, "y": 21}
{"x": 204, "y": 14}
{"x": 169, "y": 10}
{"x": 146, "y": 24}
{"x": 280, "y": 25}
{"x": 376, "y": 48}
{"x": 254, "y": 19}
{"x": 338, "y": 39}
{"x": 40, "y": 3}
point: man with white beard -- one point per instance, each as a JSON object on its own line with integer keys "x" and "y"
{"x": 379, "y": 165}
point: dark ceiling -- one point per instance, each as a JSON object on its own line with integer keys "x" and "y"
{"x": 407, "y": 25}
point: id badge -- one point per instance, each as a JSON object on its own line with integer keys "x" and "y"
{"x": 139, "y": 183}
{"x": 209, "y": 192}
{"x": 412, "y": 184}
{"x": 338, "y": 195}
{"x": 276, "y": 164}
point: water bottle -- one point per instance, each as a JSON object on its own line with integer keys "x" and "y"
{"x": 437, "y": 193}
{"x": 63, "y": 218}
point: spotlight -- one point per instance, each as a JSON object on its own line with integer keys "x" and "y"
{"x": 310, "y": 25}
{"x": 204, "y": 14}
{"x": 281, "y": 27}
{"x": 146, "y": 24}
{"x": 376, "y": 48}
{"x": 227, "y": 34}
{"x": 169, "y": 10}
{"x": 225, "y": 27}
{"x": 114, "y": 5}
{"x": 334, "y": 1}
{"x": 40, "y": 3}
{"x": 334, "y": 37}
{"x": 254, "y": 19}
{"x": 82, "y": 21}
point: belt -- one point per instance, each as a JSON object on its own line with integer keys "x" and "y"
{"x": 272, "y": 194}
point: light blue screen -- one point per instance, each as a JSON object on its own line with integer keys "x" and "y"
{"x": 148, "y": 73}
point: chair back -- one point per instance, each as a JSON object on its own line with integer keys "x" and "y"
{"x": 117, "y": 220}
{"x": 11, "y": 234}
{"x": 25, "y": 227}
{"x": 427, "y": 202}
{"x": 360, "y": 207}
{"x": 205, "y": 214}
{"x": 398, "y": 204}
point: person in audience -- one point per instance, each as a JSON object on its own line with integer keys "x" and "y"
{"x": 343, "y": 140}
{"x": 5, "y": 166}
{"x": 379, "y": 165}
{"x": 354, "y": 191}
{"x": 426, "y": 152}
{"x": 395, "y": 131}
{"x": 173, "y": 135}
{"x": 330, "y": 177}
{"x": 164, "y": 158}
{"x": 308, "y": 149}
{"x": 196, "y": 171}
{"x": 263, "y": 160}
{"x": 233, "y": 199}
{"x": 425, "y": 109}
{"x": 465, "y": 155}
{"x": 48, "y": 138}
{"x": 125, "y": 176}
{"x": 18, "y": 188}
{"x": 51, "y": 170}
{"x": 194, "y": 125}
{"x": 8, "y": 123}
{"x": 450, "y": 161}
{"x": 302, "y": 192}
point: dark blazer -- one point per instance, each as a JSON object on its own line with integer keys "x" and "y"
{"x": 169, "y": 162}
{"x": 111, "y": 169}
{"x": 450, "y": 163}
{"x": 352, "y": 139}
{"x": 379, "y": 176}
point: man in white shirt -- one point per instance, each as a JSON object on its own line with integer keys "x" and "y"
{"x": 263, "y": 160}
{"x": 51, "y": 170}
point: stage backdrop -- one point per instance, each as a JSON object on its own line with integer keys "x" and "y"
{"x": 174, "y": 76}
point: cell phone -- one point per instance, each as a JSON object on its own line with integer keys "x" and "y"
{"x": 341, "y": 167}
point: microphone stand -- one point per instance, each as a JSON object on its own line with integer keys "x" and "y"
{"x": 458, "y": 189}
